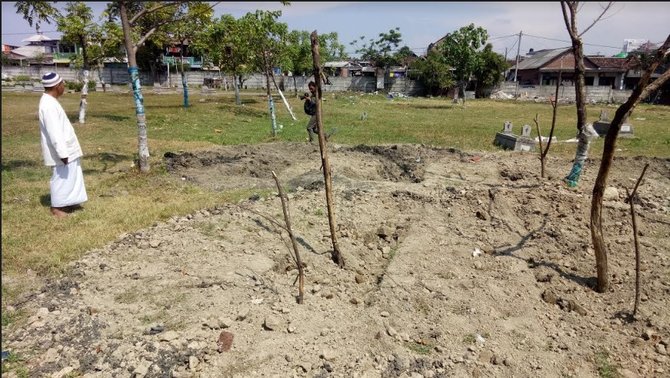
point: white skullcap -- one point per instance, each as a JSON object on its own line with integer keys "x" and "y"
{"x": 51, "y": 79}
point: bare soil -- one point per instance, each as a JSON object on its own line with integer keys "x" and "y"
{"x": 456, "y": 264}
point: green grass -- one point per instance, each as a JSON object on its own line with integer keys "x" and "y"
{"x": 415, "y": 347}
{"x": 605, "y": 367}
{"x": 122, "y": 200}
{"x": 15, "y": 363}
{"x": 469, "y": 339}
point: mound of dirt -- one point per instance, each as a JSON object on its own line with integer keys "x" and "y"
{"x": 456, "y": 264}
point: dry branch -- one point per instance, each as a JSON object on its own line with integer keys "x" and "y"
{"x": 287, "y": 219}
{"x": 631, "y": 198}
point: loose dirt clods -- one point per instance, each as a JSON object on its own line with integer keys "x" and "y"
{"x": 212, "y": 294}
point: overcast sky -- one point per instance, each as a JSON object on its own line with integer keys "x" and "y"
{"x": 421, "y": 23}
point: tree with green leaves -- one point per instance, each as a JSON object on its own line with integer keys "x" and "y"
{"x": 268, "y": 41}
{"x": 184, "y": 32}
{"x": 434, "y": 73}
{"x": 330, "y": 47}
{"x": 461, "y": 52}
{"x": 405, "y": 56}
{"x": 149, "y": 57}
{"x": 106, "y": 42}
{"x": 382, "y": 52}
{"x": 299, "y": 52}
{"x": 489, "y": 72}
{"x": 36, "y": 12}
{"x": 77, "y": 27}
{"x": 141, "y": 21}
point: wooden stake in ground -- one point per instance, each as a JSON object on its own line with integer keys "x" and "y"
{"x": 631, "y": 197}
{"x": 287, "y": 219}
{"x": 337, "y": 256}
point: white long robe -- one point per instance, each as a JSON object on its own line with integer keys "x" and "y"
{"x": 59, "y": 141}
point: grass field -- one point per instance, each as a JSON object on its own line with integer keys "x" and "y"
{"x": 34, "y": 244}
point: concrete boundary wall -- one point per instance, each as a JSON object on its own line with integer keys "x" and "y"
{"x": 567, "y": 93}
{"x": 119, "y": 76}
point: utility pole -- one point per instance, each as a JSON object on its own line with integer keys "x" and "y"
{"x": 518, "y": 51}
{"x": 506, "y": 71}
{"x": 516, "y": 67}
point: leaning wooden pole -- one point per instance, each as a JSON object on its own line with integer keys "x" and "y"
{"x": 337, "y": 256}
{"x": 631, "y": 200}
{"x": 298, "y": 260}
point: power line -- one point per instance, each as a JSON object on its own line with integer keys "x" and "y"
{"x": 505, "y": 36}
{"x": 46, "y": 31}
{"x": 570, "y": 43}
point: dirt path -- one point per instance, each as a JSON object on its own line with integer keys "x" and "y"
{"x": 416, "y": 298}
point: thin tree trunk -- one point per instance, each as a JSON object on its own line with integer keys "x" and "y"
{"x": 545, "y": 151}
{"x": 583, "y": 138}
{"x": 583, "y": 135}
{"x": 184, "y": 84}
{"x": 142, "y": 140}
{"x": 236, "y": 86}
{"x": 287, "y": 219}
{"x": 642, "y": 90}
{"x": 631, "y": 200}
{"x": 101, "y": 77}
{"x": 271, "y": 104}
{"x": 539, "y": 140}
{"x": 83, "y": 103}
{"x": 463, "y": 90}
{"x": 337, "y": 256}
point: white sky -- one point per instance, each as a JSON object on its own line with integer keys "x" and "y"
{"x": 421, "y": 23}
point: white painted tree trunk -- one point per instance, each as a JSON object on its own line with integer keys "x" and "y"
{"x": 102, "y": 78}
{"x": 83, "y": 102}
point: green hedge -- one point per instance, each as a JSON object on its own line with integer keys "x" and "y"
{"x": 77, "y": 85}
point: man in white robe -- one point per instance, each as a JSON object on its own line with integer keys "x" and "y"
{"x": 60, "y": 149}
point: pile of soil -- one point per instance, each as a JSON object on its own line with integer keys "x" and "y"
{"x": 456, "y": 264}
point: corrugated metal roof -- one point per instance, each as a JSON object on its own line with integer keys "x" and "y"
{"x": 39, "y": 38}
{"x": 540, "y": 58}
{"x": 29, "y": 51}
{"x": 607, "y": 62}
{"x": 339, "y": 64}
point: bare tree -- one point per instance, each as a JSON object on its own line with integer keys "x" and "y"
{"x": 644, "y": 88}
{"x": 140, "y": 21}
{"x": 554, "y": 105}
{"x": 570, "y": 10}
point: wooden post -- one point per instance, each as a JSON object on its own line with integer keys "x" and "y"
{"x": 337, "y": 256}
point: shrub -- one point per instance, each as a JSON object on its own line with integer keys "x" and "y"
{"x": 77, "y": 85}
{"x": 22, "y": 78}
{"x": 73, "y": 86}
